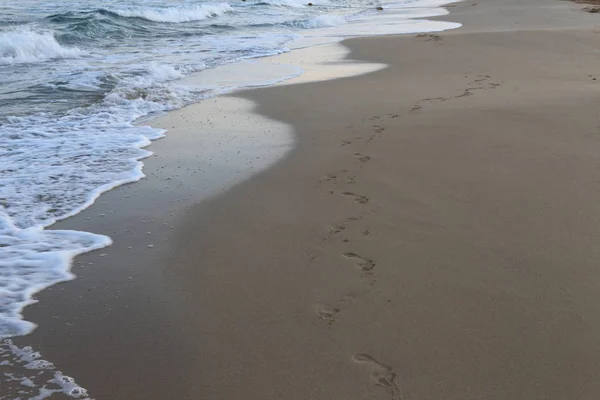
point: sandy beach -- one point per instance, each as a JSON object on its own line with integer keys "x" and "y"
{"x": 433, "y": 233}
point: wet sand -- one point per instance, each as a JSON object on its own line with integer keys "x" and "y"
{"x": 433, "y": 234}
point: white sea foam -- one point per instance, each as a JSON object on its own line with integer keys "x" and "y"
{"x": 26, "y": 46}
{"x": 30, "y": 260}
{"x": 286, "y": 3}
{"x": 175, "y": 14}
{"x": 323, "y": 21}
{"x": 32, "y": 377}
{"x": 52, "y": 168}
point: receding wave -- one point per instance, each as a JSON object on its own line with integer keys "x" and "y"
{"x": 74, "y": 159}
{"x": 174, "y": 14}
{"x": 25, "y": 46}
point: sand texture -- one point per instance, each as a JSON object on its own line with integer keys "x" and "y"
{"x": 433, "y": 234}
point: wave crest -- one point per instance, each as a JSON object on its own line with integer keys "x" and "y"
{"x": 322, "y": 21}
{"x": 28, "y": 47}
{"x": 285, "y": 3}
{"x": 174, "y": 14}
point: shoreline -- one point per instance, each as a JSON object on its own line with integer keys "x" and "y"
{"x": 325, "y": 59}
{"x": 223, "y": 79}
{"x": 288, "y": 227}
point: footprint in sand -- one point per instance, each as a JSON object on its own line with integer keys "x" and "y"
{"x": 482, "y": 82}
{"x": 347, "y": 299}
{"x": 363, "y": 264}
{"x": 470, "y": 91}
{"x": 352, "y": 219}
{"x": 327, "y": 313}
{"x": 466, "y": 93}
{"x": 332, "y": 177}
{"x": 362, "y": 158}
{"x": 377, "y": 130}
{"x": 328, "y": 178}
{"x": 432, "y": 100}
{"x": 429, "y": 37}
{"x": 435, "y": 99}
{"x": 482, "y": 78}
{"x": 336, "y": 229}
{"x": 358, "y": 198}
{"x": 383, "y": 375}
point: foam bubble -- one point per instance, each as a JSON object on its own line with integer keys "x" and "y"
{"x": 32, "y": 377}
{"x": 26, "y": 46}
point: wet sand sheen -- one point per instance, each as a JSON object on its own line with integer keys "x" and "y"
{"x": 432, "y": 235}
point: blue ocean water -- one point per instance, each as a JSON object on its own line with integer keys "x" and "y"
{"x": 75, "y": 76}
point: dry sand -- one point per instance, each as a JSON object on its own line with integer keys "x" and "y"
{"x": 434, "y": 234}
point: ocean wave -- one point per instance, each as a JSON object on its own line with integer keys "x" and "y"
{"x": 285, "y": 3}
{"x": 151, "y": 90}
{"x": 26, "y": 46}
{"x": 174, "y": 14}
{"x": 322, "y": 21}
{"x": 80, "y": 27}
{"x": 31, "y": 260}
{"x": 54, "y": 167}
